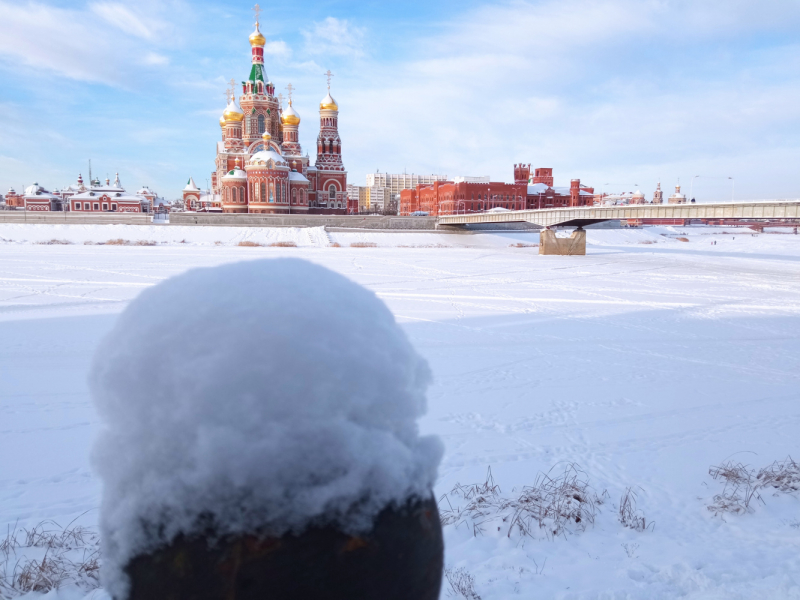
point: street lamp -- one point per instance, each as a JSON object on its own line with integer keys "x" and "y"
{"x": 691, "y": 186}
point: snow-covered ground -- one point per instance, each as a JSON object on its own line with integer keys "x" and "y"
{"x": 644, "y": 363}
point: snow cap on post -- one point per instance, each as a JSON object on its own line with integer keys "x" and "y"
{"x": 285, "y": 395}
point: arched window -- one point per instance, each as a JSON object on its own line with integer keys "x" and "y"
{"x": 263, "y": 197}
{"x": 261, "y": 124}
{"x": 241, "y": 194}
{"x": 233, "y": 195}
{"x": 294, "y": 196}
{"x": 271, "y": 192}
{"x": 332, "y": 192}
{"x": 279, "y": 193}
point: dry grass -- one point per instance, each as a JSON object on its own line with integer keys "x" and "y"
{"x": 783, "y": 476}
{"x": 363, "y": 245}
{"x": 629, "y": 515}
{"x": 682, "y": 239}
{"x": 48, "y": 557}
{"x": 334, "y": 245}
{"x": 556, "y": 504}
{"x": 121, "y": 242}
{"x": 521, "y": 245}
{"x": 744, "y": 485}
{"x": 55, "y": 242}
{"x": 461, "y": 584}
{"x": 283, "y": 245}
{"x": 249, "y": 244}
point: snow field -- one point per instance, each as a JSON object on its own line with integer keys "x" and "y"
{"x": 642, "y": 364}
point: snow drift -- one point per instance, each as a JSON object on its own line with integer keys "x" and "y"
{"x": 266, "y": 395}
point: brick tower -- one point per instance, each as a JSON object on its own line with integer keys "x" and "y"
{"x": 331, "y": 176}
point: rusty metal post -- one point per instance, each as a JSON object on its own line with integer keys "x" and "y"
{"x": 401, "y": 558}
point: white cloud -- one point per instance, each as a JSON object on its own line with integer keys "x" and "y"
{"x": 153, "y": 58}
{"x": 277, "y": 49}
{"x": 123, "y": 18}
{"x": 335, "y": 37}
{"x": 77, "y": 44}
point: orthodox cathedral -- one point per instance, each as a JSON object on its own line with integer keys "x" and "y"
{"x": 260, "y": 166}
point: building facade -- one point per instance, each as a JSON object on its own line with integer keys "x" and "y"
{"x": 110, "y": 197}
{"x": 477, "y": 194}
{"x": 260, "y": 166}
{"x": 450, "y": 198}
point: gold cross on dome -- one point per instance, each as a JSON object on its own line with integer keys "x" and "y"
{"x": 257, "y": 10}
{"x": 328, "y": 74}
{"x": 280, "y": 101}
{"x": 291, "y": 88}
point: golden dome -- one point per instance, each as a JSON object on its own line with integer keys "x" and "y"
{"x": 328, "y": 103}
{"x": 233, "y": 112}
{"x": 257, "y": 38}
{"x": 266, "y": 136}
{"x": 222, "y": 120}
{"x": 290, "y": 116}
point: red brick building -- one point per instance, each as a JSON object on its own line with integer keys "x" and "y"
{"x": 526, "y": 193}
{"x": 449, "y": 198}
{"x": 542, "y": 194}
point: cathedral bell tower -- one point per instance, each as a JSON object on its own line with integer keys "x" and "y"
{"x": 331, "y": 176}
{"x": 259, "y": 104}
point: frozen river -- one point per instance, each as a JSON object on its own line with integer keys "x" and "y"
{"x": 644, "y": 363}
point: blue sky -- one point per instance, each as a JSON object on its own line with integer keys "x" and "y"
{"x": 618, "y": 93}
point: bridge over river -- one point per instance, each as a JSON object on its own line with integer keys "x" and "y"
{"x": 642, "y": 213}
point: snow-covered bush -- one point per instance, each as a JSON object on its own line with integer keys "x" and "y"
{"x": 258, "y": 396}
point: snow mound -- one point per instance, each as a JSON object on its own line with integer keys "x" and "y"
{"x": 284, "y": 394}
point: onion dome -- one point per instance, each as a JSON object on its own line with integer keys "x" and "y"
{"x": 222, "y": 120}
{"x": 257, "y": 38}
{"x": 290, "y": 116}
{"x": 328, "y": 103}
{"x": 266, "y": 136}
{"x": 233, "y": 112}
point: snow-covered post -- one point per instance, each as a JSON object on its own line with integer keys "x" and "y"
{"x": 275, "y": 452}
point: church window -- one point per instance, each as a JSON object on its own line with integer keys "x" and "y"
{"x": 241, "y": 194}
{"x": 272, "y": 192}
{"x": 294, "y": 196}
{"x": 263, "y": 192}
{"x": 261, "y": 125}
{"x": 332, "y": 192}
{"x": 114, "y": 207}
{"x": 77, "y": 206}
{"x": 233, "y": 193}
{"x": 279, "y": 197}
{"x": 96, "y": 206}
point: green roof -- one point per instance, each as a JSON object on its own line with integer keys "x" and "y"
{"x": 257, "y": 74}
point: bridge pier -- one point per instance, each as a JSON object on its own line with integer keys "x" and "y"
{"x": 575, "y": 245}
